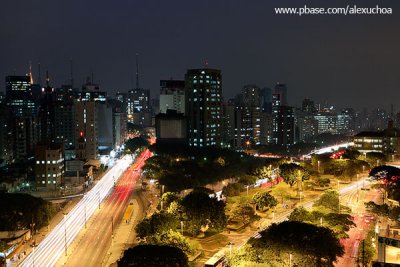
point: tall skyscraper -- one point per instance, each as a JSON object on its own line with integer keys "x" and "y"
{"x": 19, "y": 96}
{"x": 138, "y": 107}
{"x": 281, "y": 89}
{"x": 203, "y": 106}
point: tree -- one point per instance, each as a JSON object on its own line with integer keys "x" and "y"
{"x": 23, "y": 209}
{"x": 329, "y": 199}
{"x": 318, "y": 243}
{"x": 136, "y": 143}
{"x": 390, "y": 176}
{"x": 153, "y": 256}
{"x": 293, "y": 173}
{"x": 200, "y": 210}
{"x": 264, "y": 200}
{"x": 156, "y": 224}
{"x": 231, "y": 190}
{"x": 263, "y": 172}
{"x": 173, "y": 239}
{"x": 242, "y": 211}
{"x": 167, "y": 198}
{"x": 375, "y": 158}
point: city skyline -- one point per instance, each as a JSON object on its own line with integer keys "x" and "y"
{"x": 325, "y": 58}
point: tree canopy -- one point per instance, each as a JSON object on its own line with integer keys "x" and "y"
{"x": 20, "y": 210}
{"x": 317, "y": 243}
{"x": 200, "y": 210}
{"x": 264, "y": 200}
{"x": 153, "y": 256}
{"x": 292, "y": 173}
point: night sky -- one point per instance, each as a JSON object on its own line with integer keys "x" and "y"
{"x": 344, "y": 60}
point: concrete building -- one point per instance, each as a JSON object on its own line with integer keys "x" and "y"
{"x": 172, "y": 96}
{"x": 49, "y": 167}
{"x": 171, "y": 127}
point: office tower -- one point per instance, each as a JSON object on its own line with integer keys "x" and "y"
{"x": 307, "y": 126}
{"x": 229, "y": 136}
{"x": 138, "y": 107}
{"x": 327, "y": 121}
{"x": 86, "y": 129}
{"x": 22, "y": 118}
{"x": 64, "y": 116}
{"x": 249, "y": 109}
{"x": 49, "y": 167}
{"x": 203, "y": 105}
{"x": 6, "y": 135}
{"x": 276, "y": 104}
{"x": 19, "y": 96}
{"x": 267, "y": 100}
{"x": 281, "y": 89}
{"x": 91, "y": 92}
{"x": 286, "y": 126}
{"x": 172, "y": 96}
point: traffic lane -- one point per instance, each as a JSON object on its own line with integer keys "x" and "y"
{"x": 95, "y": 243}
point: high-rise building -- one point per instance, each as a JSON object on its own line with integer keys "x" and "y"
{"x": 172, "y": 96}
{"x": 138, "y": 107}
{"x": 47, "y": 114}
{"x": 286, "y": 126}
{"x": 276, "y": 105}
{"x": 281, "y": 89}
{"x": 203, "y": 105}
{"x": 64, "y": 115}
{"x": 19, "y": 96}
{"x": 86, "y": 129}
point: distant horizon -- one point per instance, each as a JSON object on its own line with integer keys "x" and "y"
{"x": 155, "y": 92}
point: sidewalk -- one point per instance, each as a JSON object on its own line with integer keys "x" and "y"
{"x": 40, "y": 234}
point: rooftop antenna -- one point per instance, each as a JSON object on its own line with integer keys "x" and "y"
{"x": 71, "y": 74}
{"x": 137, "y": 71}
{"x": 39, "y": 74}
{"x": 30, "y": 72}
{"x": 47, "y": 79}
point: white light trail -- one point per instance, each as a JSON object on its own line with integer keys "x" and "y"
{"x": 52, "y": 247}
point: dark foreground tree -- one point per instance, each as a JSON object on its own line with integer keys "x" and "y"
{"x": 153, "y": 256}
{"x": 200, "y": 210}
{"x": 314, "y": 242}
{"x": 20, "y": 210}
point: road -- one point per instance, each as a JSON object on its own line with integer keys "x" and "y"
{"x": 53, "y": 246}
{"x": 93, "y": 246}
{"x": 363, "y": 223}
{"x": 345, "y": 191}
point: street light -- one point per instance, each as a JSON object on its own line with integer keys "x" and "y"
{"x": 247, "y": 187}
{"x": 318, "y": 162}
{"x": 290, "y": 259}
